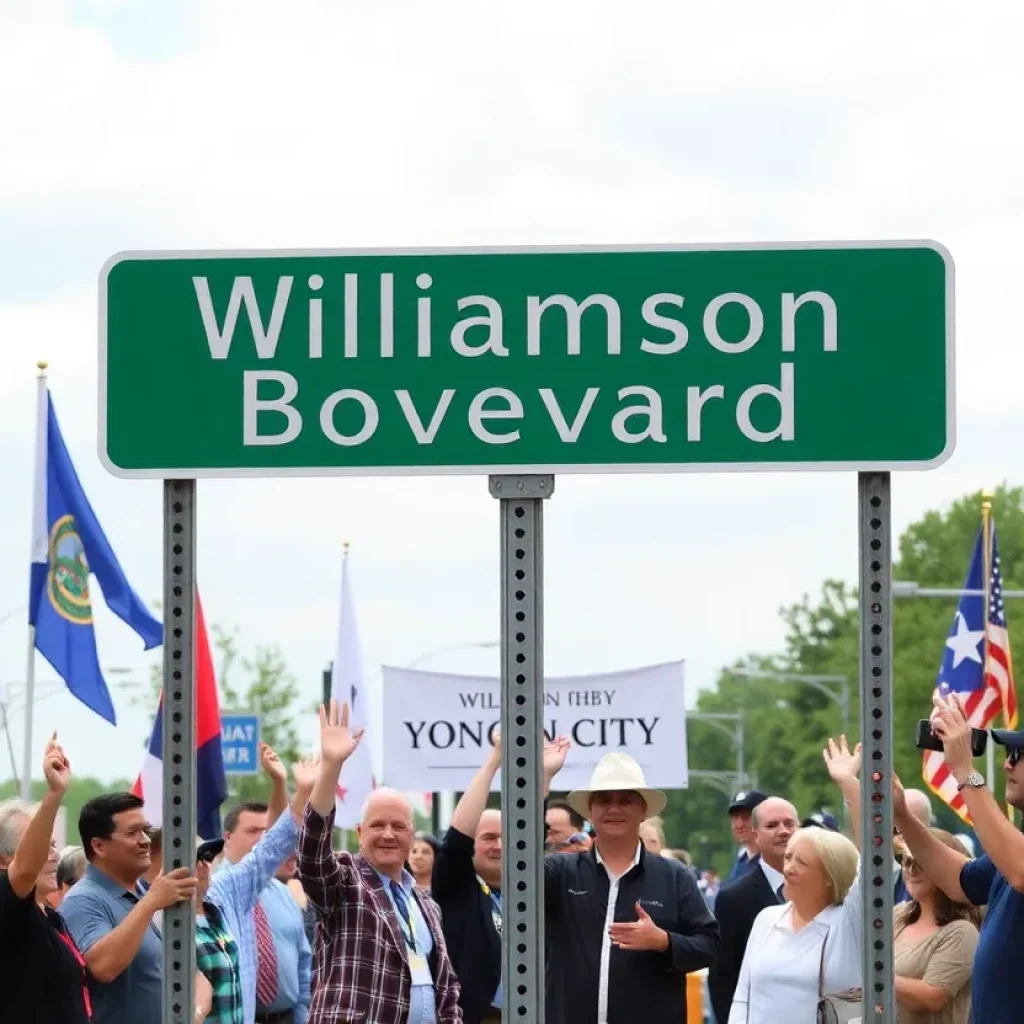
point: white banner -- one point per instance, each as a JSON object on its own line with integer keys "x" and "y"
{"x": 437, "y": 727}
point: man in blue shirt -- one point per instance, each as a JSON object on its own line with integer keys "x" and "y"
{"x": 995, "y": 879}
{"x": 235, "y": 889}
{"x": 284, "y": 999}
{"x": 111, "y": 919}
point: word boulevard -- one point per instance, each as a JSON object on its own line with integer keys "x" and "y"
{"x": 586, "y": 360}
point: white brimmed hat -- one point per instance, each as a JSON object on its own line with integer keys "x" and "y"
{"x": 617, "y": 772}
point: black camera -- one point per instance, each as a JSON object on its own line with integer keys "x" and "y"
{"x": 927, "y": 740}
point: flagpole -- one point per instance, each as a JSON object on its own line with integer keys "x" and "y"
{"x": 986, "y": 547}
{"x": 30, "y": 667}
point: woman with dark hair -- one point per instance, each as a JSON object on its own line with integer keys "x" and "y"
{"x": 934, "y": 938}
{"x": 421, "y": 858}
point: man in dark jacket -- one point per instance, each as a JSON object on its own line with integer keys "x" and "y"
{"x": 774, "y": 822}
{"x": 624, "y": 927}
{"x": 466, "y": 885}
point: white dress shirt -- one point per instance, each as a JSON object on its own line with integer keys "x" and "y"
{"x": 606, "y": 939}
{"x": 778, "y": 981}
{"x": 775, "y": 878}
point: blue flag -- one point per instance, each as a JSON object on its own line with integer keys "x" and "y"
{"x": 68, "y": 544}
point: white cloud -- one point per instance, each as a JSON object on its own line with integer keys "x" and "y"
{"x": 398, "y": 123}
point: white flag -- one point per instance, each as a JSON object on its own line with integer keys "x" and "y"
{"x": 348, "y": 685}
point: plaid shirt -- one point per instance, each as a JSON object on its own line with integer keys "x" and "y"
{"x": 217, "y": 958}
{"x": 361, "y": 968}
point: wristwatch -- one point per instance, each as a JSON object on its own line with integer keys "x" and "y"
{"x": 974, "y": 780}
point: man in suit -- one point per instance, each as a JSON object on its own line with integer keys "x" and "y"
{"x": 774, "y": 821}
{"x": 380, "y": 952}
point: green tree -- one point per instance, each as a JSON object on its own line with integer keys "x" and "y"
{"x": 788, "y": 723}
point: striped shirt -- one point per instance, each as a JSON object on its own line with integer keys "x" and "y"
{"x": 235, "y": 890}
{"x": 217, "y": 957}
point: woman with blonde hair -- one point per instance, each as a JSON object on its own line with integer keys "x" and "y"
{"x": 652, "y": 834}
{"x": 810, "y": 944}
{"x": 934, "y": 939}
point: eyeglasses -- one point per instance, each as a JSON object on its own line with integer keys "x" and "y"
{"x": 1013, "y": 755}
{"x": 133, "y": 835}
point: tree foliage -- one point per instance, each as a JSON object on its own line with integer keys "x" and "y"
{"x": 786, "y": 724}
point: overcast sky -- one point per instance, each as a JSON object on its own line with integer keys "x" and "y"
{"x": 141, "y": 124}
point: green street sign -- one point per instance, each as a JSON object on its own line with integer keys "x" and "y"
{"x": 616, "y": 359}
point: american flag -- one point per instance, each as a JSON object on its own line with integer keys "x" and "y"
{"x": 982, "y": 679}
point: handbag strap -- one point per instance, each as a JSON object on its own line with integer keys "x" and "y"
{"x": 821, "y": 968}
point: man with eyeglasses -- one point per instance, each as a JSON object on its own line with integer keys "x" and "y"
{"x": 111, "y": 918}
{"x": 995, "y": 879}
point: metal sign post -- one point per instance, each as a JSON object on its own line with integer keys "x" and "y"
{"x": 179, "y": 750}
{"x": 522, "y": 743}
{"x": 874, "y": 507}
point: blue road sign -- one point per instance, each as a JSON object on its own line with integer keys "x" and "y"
{"x": 239, "y": 740}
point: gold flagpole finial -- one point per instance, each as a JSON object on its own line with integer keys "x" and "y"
{"x": 986, "y": 498}
{"x": 344, "y": 548}
{"x": 41, "y": 366}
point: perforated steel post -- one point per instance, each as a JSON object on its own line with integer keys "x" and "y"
{"x": 876, "y": 714}
{"x": 179, "y": 748}
{"x": 522, "y": 743}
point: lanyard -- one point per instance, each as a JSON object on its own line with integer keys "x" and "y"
{"x": 495, "y": 903}
{"x": 406, "y": 920}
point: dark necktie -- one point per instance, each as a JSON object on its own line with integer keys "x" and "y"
{"x": 778, "y": 893}
{"x": 402, "y": 906}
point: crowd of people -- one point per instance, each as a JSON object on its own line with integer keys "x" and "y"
{"x": 408, "y": 930}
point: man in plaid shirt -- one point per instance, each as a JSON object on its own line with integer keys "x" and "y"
{"x": 380, "y": 954}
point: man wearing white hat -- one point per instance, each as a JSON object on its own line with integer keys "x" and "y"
{"x": 624, "y": 927}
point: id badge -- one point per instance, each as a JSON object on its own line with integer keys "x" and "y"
{"x": 419, "y": 969}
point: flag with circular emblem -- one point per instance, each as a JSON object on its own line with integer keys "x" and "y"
{"x": 69, "y": 548}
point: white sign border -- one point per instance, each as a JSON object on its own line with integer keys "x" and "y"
{"x": 178, "y": 473}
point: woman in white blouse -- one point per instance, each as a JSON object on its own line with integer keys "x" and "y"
{"x": 778, "y": 981}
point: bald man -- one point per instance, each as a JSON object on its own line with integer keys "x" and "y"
{"x": 380, "y": 953}
{"x": 773, "y": 821}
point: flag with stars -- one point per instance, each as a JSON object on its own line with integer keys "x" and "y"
{"x": 348, "y": 685}
{"x": 981, "y": 674}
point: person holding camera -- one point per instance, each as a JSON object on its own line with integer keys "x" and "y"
{"x": 995, "y": 879}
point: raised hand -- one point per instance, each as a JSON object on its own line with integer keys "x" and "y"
{"x": 305, "y": 772}
{"x": 56, "y": 767}
{"x": 555, "y": 752}
{"x": 337, "y": 742}
{"x": 642, "y": 933}
{"x": 950, "y": 724}
{"x": 842, "y": 765}
{"x": 273, "y": 767}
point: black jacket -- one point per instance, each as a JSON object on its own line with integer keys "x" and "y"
{"x": 736, "y": 906}
{"x": 647, "y": 986}
{"x": 473, "y": 943}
